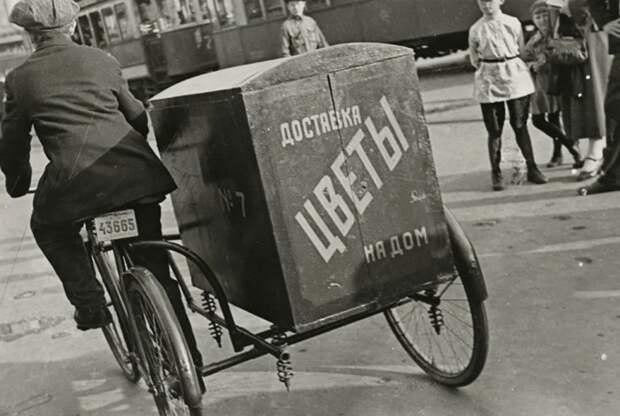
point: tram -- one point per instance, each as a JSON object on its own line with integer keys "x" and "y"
{"x": 159, "y": 42}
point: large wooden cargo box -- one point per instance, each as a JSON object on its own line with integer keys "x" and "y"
{"x": 307, "y": 183}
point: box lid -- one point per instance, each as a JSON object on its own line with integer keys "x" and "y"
{"x": 259, "y": 75}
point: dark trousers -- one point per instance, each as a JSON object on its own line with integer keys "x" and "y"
{"x": 63, "y": 247}
{"x": 494, "y": 115}
{"x": 549, "y": 123}
{"x": 611, "y": 159}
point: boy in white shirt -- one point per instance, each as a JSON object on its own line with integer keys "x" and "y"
{"x": 502, "y": 79}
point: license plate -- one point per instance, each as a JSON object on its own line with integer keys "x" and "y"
{"x": 116, "y": 225}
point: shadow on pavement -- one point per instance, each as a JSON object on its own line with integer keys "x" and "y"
{"x": 481, "y": 182}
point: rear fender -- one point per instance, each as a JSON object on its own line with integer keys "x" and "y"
{"x": 465, "y": 259}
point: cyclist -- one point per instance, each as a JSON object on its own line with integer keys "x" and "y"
{"x": 93, "y": 132}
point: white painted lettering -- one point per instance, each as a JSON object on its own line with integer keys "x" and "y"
{"x": 380, "y": 138}
{"x": 394, "y": 123}
{"x": 332, "y": 202}
{"x": 333, "y": 242}
{"x": 285, "y": 132}
{"x": 338, "y": 119}
{"x": 296, "y": 127}
{"x": 380, "y": 247}
{"x": 355, "y": 145}
{"x": 307, "y": 124}
{"x": 408, "y": 240}
{"x": 369, "y": 253}
{"x": 315, "y": 121}
{"x": 420, "y": 235}
{"x": 396, "y": 250}
{"x": 346, "y": 117}
{"x": 333, "y": 120}
{"x": 347, "y": 182}
{"x": 324, "y": 122}
{"x": 357, "y": 117}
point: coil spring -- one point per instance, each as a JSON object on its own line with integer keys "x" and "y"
{"x": 436, "y": 317}
{"x": 208, "y": 303}
{"x": 285, "y": 369}
{"x": 279, "y": 339}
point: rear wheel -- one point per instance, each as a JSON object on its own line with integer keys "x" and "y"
{"x": 444, "y": 329}
{"x": 168, "y": 366}
{"x": 117, "y": 333}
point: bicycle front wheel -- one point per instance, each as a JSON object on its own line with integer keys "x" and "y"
{"x": 117, "y": 333}
{"x": 167, "y": 363}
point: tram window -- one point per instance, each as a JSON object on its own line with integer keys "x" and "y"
{"x": 273, "y": 8}
{"x": 204, "y": 10}
{"x": 111, "y": 24}
{"x": 184, "y": 11}
{"x": 252, "y": 9}
{"x": 87, "y": 33}
{"x": 316, "y": 4}
{"x": 149, "y": 15}
{"x": 99, "y": 30}
{"x": 124, "y": 23}
{"x": 166, "y": 19}
{"x": 224, "y": 10}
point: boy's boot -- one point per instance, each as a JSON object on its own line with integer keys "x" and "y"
{"x": 534, "y": 175}
{"x": 556, "y": 157}
{"x": 495, "y": 157}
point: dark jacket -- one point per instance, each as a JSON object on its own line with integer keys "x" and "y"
{"x": 301, "y": 34}
{"x": 604, "y": 11}
{"x": 91, "y": 128}
{"x": 568, "y": 80}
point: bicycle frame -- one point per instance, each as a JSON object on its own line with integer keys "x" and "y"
{"x": 239, "y": 336}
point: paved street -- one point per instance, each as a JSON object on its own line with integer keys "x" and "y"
{"x": 551, "y": 265}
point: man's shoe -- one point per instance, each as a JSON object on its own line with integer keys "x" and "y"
{"x": 88, "y": 318}
{"x": 535, "y": 176}
{"x": 597, "y": 188}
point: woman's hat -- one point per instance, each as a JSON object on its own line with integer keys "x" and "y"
{"x": 538, "y": 4}
{"x": 556, "y": 3}
{"x": 42, "y": 15}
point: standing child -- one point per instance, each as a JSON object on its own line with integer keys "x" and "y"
{"x": 300, "y": 33}
{"x": 545, "y": 107}
{"x": 502, "y": 79}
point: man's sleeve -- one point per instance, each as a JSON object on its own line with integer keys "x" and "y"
{"x": 601, "y": 12}
{"x": 15, "y": 145}
{"x": 286, "y": 44}
{"x": 132, "y": 108}
{"x": 322, "y": 41}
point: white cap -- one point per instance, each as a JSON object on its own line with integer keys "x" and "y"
{"x": 556, "y": 3}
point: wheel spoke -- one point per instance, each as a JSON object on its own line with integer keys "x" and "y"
{"x": 158, "y": 350}
{"x": 445, "y": 343}
{"x": 452, "y": 314}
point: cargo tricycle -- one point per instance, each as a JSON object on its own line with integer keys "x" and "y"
{"x": 307, "y": 196}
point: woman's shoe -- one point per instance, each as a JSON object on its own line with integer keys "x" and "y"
{"x": 591, "y": 168}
